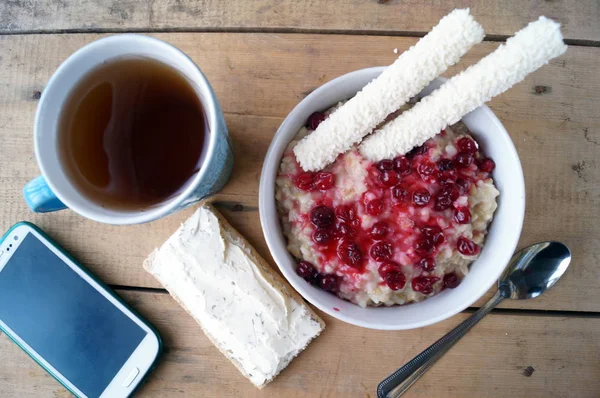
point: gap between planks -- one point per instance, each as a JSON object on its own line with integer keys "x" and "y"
{"x": 469, "y": 310}
{"x": 489, "y": 38}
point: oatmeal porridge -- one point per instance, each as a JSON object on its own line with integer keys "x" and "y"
{"x": 392, "y": 232}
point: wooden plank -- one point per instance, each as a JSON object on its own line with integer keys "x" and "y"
{"x": 351, "y": 361}
{"x": 579, "y": 17}
{"x": 259, "y": 78}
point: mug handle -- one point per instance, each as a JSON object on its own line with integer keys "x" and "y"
{"x": 40, "y": 198}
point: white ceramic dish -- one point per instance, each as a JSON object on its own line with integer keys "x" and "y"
{"x": 500, "y": 243}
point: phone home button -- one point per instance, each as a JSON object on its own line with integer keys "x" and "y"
{"x": 131, "y": 377}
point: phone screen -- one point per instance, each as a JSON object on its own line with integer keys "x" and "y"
{"x": 64, "y": 319}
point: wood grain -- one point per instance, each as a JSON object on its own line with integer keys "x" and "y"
{"x": 351, "y": 361}
{"x": 578, "y": 17}
{"x": 552, "y": 117}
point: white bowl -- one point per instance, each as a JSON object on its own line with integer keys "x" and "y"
{"x": 500, "y": 243}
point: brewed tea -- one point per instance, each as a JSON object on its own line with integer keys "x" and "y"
{"x": 132, "y": 133}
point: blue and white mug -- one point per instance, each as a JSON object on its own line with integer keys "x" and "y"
{"x": 53, "y": 190}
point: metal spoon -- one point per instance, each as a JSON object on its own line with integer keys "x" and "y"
{"x": 531, "y": 272}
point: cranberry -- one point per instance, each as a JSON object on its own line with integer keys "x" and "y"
{"x": 392, "y": 274}
{"x": 328, "y": 282}
{"x": 402, "y": 165}
{"x": 389, "y": 267}
{"x": 465, "y": 144}
{"x": 431, "y": 231}
{"x": 462, "y": 215}
{"x": 444, "y": 198}
{"x": 467, "y": 247}
{"x": 451, "y": 280}
{"x": 448, "y": 177}
{"x": 345, "y": 213}
{"x": 381, "y": 251}
{"x": 463, "y": 184}
{"x": 449, "y": 190}
{"x": 379, "y": 230}
{"x": 424, "y": 284}
{"x": 419, "y": 150}
{"x": 439, "y": 238}
{"x": 322, "y": 236}
{"x": 400, "y": 195}
{"x": 385, "y": 164}
{"x": 306, "y": 271}
{"x": 425, "y": 170}
{"x": 350, "y": 254}
{"x": 463, "y": 159}
{"x": 395, "y": 281}
{"x": 424, "y": 246}
{"x": 445, "y": 164}
{"x": 421, "y": 197}
{"x": 305, "y": 181}
{"x": 389, "y": 178}
{"x": 324, "y": 180}
{"x": 322, "y": 217}
{"x": 315, "y": 119}
{"x": 487, "y": 165}
{"x": 435, "y": 234}
{"x": 442, "y": 202}
{"x": 345, "y": 230}
{"x": 427, "y": 263}
{"x": 374, "y": 207}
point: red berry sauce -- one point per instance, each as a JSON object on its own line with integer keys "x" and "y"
{"x": 413, "y": 208}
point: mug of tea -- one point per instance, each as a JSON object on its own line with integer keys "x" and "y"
{"x": 128, "y": 130}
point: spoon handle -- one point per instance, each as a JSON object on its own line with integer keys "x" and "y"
{"x": 398, "y": 382}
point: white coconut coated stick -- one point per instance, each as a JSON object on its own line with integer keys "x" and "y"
{"x": 530, "y": 48}
{"x": 454, "y": 35}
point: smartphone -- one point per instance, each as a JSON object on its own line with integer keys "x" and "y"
{"x": 68, "y": 321}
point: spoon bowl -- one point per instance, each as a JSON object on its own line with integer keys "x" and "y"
{"x": 534, "y": 270}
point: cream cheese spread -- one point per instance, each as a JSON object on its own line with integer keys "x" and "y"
{"x": 252, "y": 321}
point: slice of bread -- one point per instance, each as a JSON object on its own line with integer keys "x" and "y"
{"x": 245, "y": 308}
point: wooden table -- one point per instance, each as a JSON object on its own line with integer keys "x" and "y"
{"x": 264, "y": 56}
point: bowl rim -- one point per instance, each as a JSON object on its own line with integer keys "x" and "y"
{"x": 276, "y": 242}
